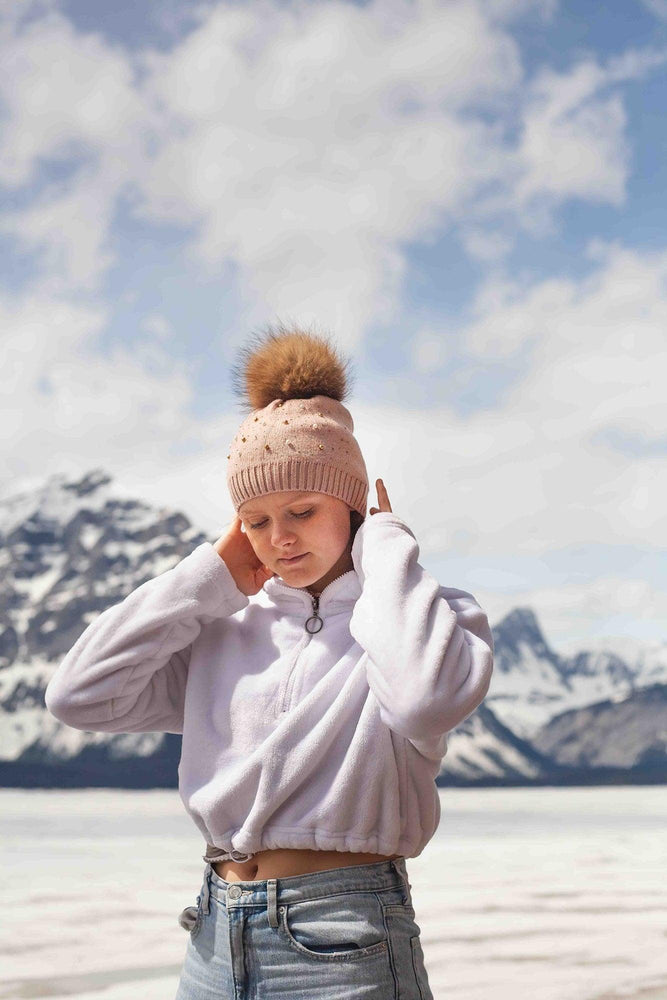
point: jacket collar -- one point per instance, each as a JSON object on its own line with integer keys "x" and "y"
{"x": 341, "y": 592}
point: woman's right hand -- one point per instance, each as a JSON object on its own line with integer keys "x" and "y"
{"x": 235, "y": 549}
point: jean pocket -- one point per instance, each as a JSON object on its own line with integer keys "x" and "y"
{"x": 191, "y": 917}
{"x": 343, "y": 927}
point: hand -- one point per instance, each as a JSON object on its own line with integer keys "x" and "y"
{"x": 383, "y": 499}
{"x": 235, "y": 550}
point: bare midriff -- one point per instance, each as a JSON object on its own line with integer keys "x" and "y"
{"x": 283, "y": 862}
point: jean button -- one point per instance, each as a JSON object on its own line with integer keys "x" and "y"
{"x": 234, "y": 891}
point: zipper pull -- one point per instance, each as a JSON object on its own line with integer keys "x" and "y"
{"x": 315, "y": 617}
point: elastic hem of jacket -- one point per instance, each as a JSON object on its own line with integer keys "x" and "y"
{"x": 226, "y": 856}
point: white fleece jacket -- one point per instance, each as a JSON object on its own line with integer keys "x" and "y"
{"x": 329, "y": 739}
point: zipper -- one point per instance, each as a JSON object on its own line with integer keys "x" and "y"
{"x": 315, "y": 617}
{"x": 315, "y": 601}
{"x": 290, "y": 679}
{"x": 310, "y": 621}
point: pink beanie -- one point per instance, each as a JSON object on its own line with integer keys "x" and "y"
{"x": 298, "y": 435}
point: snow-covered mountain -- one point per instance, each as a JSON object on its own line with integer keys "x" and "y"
{"x": 532, "y": 683}
{"x": 69, "y": 549}
{"x": 614, "y": 741}
{"x": 617, "y": 732}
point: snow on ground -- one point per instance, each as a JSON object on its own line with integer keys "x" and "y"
{"x": 552, "y": 894}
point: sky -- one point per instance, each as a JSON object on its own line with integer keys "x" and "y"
{"x": 467, "y": 196}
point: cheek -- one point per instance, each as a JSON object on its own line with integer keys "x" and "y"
{"x": 342, "y": 537}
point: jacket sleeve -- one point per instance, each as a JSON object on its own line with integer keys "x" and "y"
{"x": 127, "y": 672}
{"x": 430, "y": 648}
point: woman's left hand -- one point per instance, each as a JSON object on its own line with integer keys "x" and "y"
{"x": 383, "y": 499}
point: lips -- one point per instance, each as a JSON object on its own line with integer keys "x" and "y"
{"x": 294, "y": 558}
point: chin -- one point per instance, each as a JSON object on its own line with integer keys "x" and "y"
{"x": 299, "y": 576}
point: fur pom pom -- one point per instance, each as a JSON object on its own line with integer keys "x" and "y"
{"x": 288, "y": 364}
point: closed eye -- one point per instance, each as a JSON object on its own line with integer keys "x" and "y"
{"x": 306, "y": 513}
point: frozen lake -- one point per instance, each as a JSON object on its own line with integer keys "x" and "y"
{"x": 547, "y": 894}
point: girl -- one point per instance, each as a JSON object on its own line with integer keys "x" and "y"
{"x": 313, "y": 668}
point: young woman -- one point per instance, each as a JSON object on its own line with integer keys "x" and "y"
{"x": 313, "y": 668}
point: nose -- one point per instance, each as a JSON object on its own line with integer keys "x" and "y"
{"x": 283, "y": 539}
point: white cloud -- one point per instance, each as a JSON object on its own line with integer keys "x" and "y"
{"x": 70, "y": 99}
{"x": 307, "y": 143}
{"x": 571, "y": 613}
{"x": 67, "y": 227}
{"x": 79, "y": 409}
{"x": 159, "y": 326}
{"x": 430, "y": 350}
{"x": 35, "y": 334}
{"x": 66, "y": 94}
{"x": 486, "y": 245}
{"x": 592, "y": 357}
{"x": 657, "y": 7}
{"x": 572, "y": 143}
{"x": 293, "y": 144}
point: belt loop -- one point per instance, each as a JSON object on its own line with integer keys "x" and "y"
{"x": 398, "y": 864}
{"x": 206, "y": 889}
{"x": 272, "y": 901}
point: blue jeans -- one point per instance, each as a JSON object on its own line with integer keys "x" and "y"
{"x": 338, "y": 934}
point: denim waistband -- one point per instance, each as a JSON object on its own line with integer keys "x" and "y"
{"x": 292, "y": 888}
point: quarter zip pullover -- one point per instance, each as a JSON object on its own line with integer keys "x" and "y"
{"x": 307, "y": 722}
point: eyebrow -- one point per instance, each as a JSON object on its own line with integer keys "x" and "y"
{"x": 253, "y": 511}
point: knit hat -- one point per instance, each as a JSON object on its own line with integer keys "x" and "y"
{"x": 298, "y": 435}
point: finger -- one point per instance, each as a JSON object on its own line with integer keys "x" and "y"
{"x": 383, "y": 497}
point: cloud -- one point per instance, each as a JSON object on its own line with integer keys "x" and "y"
{"x": 589, "y": 358}
{"x": 78, "y": 408}
{"x": 370, "y": 125}
{"x": 67, "y": 95}
{"x": 67, "y": 228}
{"x": 572, "y": 143}
{"x": 159, "y": 326}
{"x": 305, "y": 143}
{"x": 73, "y": 132}
{"x": 311, "y": 141}
{"x": 657, "y": 7}
{"x": 428, "y": 350}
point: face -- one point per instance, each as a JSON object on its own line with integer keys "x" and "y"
{"x": 315, "y": 526}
